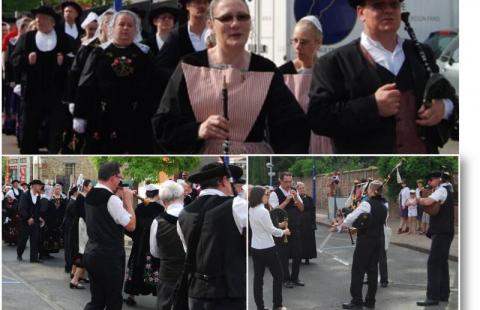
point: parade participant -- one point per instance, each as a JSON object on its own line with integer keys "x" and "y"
{"x": 187, "y": 38}
{"x": 114, "y": 97}
{"x": 403, "y": 196}
{"x": 205, "y": 102}
{"x": 420, "y": 213}
{"x": 70, "y": 25}
{"x": 211, "y": 232}
{"x": 16, "y": 191}
{"x": 374, "y": 87}
{"x": 264, "y": 253}
{"x": 307, "y": 39}
{"x": 106, "y": 217}
{"x": 308, "y": 225}
{"x": 52, "y": 239}
{"x": 11, "y": 108}
{"x": 287, "y": 198}
{"x": 165, "y": 243}
{"x": 38, "y": 61}
{"x": 10, "y": 219}
{"x": 142, "y": 267}
{"x": 162, "y": 18}
{"x": 90, "y": 26}
{"x": 370, "y": 240}
{"x": 238, "y": 186}
{"x": 24, "y": 187}
{"x": 29, "y": 210}
{"x": 440, "y": 206}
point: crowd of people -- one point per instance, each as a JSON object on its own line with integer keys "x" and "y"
{"x": 100, "y": 87}
{"x": 91, "y": 221}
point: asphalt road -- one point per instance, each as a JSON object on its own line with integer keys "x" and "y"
{"x": 327, "y": 279}
{"x": 45, "y": 286}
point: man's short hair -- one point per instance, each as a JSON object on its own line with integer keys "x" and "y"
{"x": 284, "y": 174}
{"x": 108, "y": 170}
{"x": 170, "y": 191}
{"x": 86, "y": 183}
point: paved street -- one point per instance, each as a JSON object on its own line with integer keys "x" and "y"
{"x": 327, "y": 279}
{"x": 45, "y": 286}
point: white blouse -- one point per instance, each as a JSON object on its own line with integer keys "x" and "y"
{"x": 262, "y": 228}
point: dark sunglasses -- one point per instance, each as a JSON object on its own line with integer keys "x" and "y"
{"x": 228, "y": 19}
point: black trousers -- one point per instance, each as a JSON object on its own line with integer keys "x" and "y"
{"x": 261, "y": 259}
{"x": 165, "y": 291}
{"x": 438, "y": 286}
{"x": 365, "y": 261}
{"x": 382, "y": 265}
{"x": 291, "y": 249}
{"x": 41, "y": 125}
{"x": 32, "y": 232}
{"x": 217, "y": 304}
{"x": 106, "y": 274}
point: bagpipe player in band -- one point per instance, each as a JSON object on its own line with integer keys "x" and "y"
{"x": 263, "y": 115}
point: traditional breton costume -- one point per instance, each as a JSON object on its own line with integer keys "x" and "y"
{"x": 52, "y": 237}
{"x": 165, "y": 244}
{"x": 10, "y": 218}
{"x": 70, "y": 234}
{"x": 11, "y": 108}
{"x": 211, "y": 229}
{"x": 343, "y": 107}
{"x": 114, "y": 99}
{"x": 263, "y": 114}
{"x": 308, "y": 225}
{"x": 155, "y": 42}
{"x": 142, "y": 268}
{"x": 41, "y": 85}
{"x": 370, "y": 240}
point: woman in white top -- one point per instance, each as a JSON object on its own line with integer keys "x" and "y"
{"x": 264, "y": 253}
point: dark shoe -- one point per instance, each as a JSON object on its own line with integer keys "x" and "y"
{"x": 369, "y": 306}
{"x": 351, "y": 305}
{"x": 84, "y": 280}
{"x": 77, "y": 286}
{"x": 298, "y": 283}
{"x": 130, "y": 301}
{"x": 427, "y": 302}
{"x": 444, "y": 299}
{"x": 288, "y": 284}
{"x": 280, "y": 308}
{"x": 307, "y": 262}
{"x": 19, "y": 258}
{"x": 384, "y": 284}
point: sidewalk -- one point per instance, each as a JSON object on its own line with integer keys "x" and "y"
{"x": 415, "y": 242}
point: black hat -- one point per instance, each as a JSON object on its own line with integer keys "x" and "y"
{"x": 184, "y": 2}
{"x": 215, "y": 170}
{"x": 74, "y": 5}
{"x": 46, "y": 10}
{"x": 439, "y": 174}
{"x": 165, "y": 7}
{"x": 239, "y": 181}
{"x": 36, "y": 182}
{"x": 355, "y": 3}
{"x": 15, "y": 181}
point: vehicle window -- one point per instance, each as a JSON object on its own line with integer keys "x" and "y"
{"x": 455, "y": 55}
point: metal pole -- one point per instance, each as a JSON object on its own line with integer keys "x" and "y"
{"x": 271, "y": 170}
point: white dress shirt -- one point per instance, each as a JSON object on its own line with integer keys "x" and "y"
{"x": 440, "y": 194}
{"x": 404, "y": 195}
{"x": 393, "y": 61}
{"x": 115, "y": 208}
{"x": 71, "y": 30}
{"x": 160, "y": 42}
{"x": 273, "y": 200}
{"x": 46, "y": 41}
{"x": 174, "y": 210}
{"x": 199, "y": 42}
{"x": 262, "y": 228}
{"x": 13, "y": 192}
{"x": 34, "y": 197}
{"x": 239, "y": 211}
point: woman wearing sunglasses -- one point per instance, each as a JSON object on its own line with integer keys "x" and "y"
{"x": 226, "y": 93}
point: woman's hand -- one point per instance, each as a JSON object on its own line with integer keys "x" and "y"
{"x": 214, "y": 127}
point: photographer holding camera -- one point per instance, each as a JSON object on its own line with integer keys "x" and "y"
{"x": 286, "y": 197}
{"x": 108, "y": 211}
{"x": 369, "y": 218}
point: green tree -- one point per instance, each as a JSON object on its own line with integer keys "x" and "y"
{"x": 139, "y": 168}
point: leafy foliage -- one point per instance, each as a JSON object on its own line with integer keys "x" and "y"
{"x": 140, "y": 168}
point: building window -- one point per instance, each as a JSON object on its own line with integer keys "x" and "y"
{"x": 69, "y": 170}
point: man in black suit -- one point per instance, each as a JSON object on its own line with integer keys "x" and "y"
{"x": 374, "y": 87}
{"x": 29, "y": 210}
{"x": 162, "y": 19}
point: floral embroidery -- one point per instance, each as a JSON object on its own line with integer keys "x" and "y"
{"x": 150, "y": 276}
{"x": 122, "y": 66}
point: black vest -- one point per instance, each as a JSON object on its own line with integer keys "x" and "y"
{"x": 220, "y": 256}
{"x": 105, "y": 237}
{"x": 293, "y": 213}
{"x": 172, "y": 255}
{"x": 19, "y": 194}
{"x": 442, "y": 223}
{"x": 378, "y": 214}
